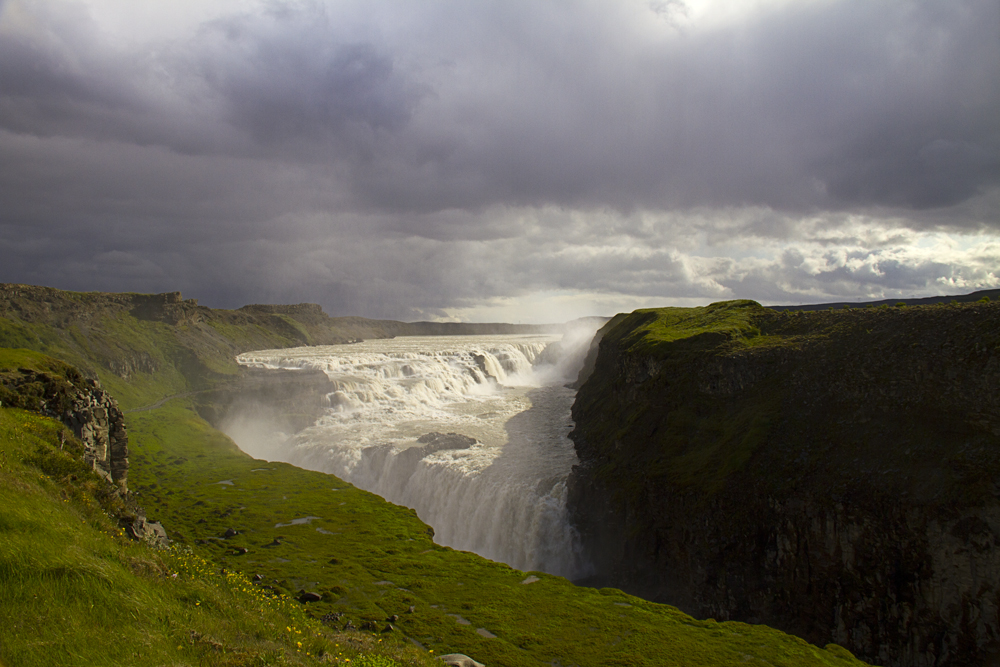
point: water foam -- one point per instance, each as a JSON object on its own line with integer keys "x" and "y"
{"x": 500, "y": 491}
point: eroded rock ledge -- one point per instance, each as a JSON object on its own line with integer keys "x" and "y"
{"x": 83, "y": 406}
{"x": 95, "y": 418}
{"x": 833, "y": 474}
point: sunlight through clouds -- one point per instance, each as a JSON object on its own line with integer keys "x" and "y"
{"x": 447, "y": 159}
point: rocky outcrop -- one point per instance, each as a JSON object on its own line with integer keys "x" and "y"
{"x": 833, "y": 474}
{"x": 96, "y": 420}
{"x": 459, "y": 660}
{"x": 60, "y": 391}
{"x": 139, "y": 528}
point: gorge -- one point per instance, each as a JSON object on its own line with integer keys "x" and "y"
{"x": 831, "y": 473}
{"x": 828, "y": 473}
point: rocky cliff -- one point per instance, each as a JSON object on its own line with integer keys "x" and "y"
{"x": 95, "y": 418}
{"x": 60, "y": 391}
{"x": 99, "y": 441}
{"x": 835, "y": 474}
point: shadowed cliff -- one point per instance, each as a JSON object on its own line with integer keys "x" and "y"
{"x": 832, "y": 473}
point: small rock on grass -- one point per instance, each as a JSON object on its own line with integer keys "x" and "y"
{"x": 459, "y": 660}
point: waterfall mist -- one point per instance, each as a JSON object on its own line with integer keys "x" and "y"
{"x": 470, "y": 431}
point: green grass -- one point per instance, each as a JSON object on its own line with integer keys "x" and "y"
{"x": 75, "y": 591}
{"x": 15, "y": 359}
{"x": 648, "y": 329}
{"x": 370, "y": 559}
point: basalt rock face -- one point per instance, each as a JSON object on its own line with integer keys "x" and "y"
{"x": 834, "y": 474}
{"x": 95, "y": 418}
{"x": 82, "y": 405}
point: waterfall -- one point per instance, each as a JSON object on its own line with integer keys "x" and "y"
{"x": 470, "y": 431}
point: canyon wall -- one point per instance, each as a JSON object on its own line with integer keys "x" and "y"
{"x": 835, "y": 474}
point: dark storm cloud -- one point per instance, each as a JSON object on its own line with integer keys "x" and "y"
{"x": 818, "y": 105}
{"x": 290, "y": 76}
{"x": 400, "y": 159}
{"x": 830, "y": 105}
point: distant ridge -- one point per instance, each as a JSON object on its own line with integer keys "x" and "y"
{"x": 465, "y": 328}
{"x": 993, "y": 295}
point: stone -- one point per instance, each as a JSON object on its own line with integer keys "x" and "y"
{"x": 459, "y": 660}
{"x": 141, "y": 528}
{"x": 230, "y": 532}
{"x": 309, "y": 597}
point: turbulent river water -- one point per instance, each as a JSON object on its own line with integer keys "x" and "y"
{"x": 470, "y": 431}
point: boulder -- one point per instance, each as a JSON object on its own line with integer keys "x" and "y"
{"x": 140, "y": 528}
{"x": 459, "y": 660}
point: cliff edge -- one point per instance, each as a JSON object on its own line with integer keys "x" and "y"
{"x": 835, "y": 474}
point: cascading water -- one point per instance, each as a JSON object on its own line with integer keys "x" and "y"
{"x": 470, "y": 431}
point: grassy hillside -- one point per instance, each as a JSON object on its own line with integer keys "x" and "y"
{"x": 300, "y": 531}
{"x": 75, "y": 591}
{"x": 143, "y": 347}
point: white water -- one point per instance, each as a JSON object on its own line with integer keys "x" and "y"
{"x": 503, "y": 497}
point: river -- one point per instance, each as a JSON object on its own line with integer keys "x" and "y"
{"x": 470, "y": 431}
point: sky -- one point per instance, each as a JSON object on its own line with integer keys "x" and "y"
{"x": 517, "y": 160}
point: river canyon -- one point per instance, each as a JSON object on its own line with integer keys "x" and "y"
{"x": 470, "y": 431}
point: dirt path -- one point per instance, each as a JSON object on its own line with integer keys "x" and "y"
{"x": 160, "y": 402}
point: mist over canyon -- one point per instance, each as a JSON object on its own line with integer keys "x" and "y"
{"x": 470, "y": 431}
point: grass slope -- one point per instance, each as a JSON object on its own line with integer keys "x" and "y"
{"x": 368, "y": 559}
{"x": 143, "y": 347}
{"x": 75, "y": 591}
